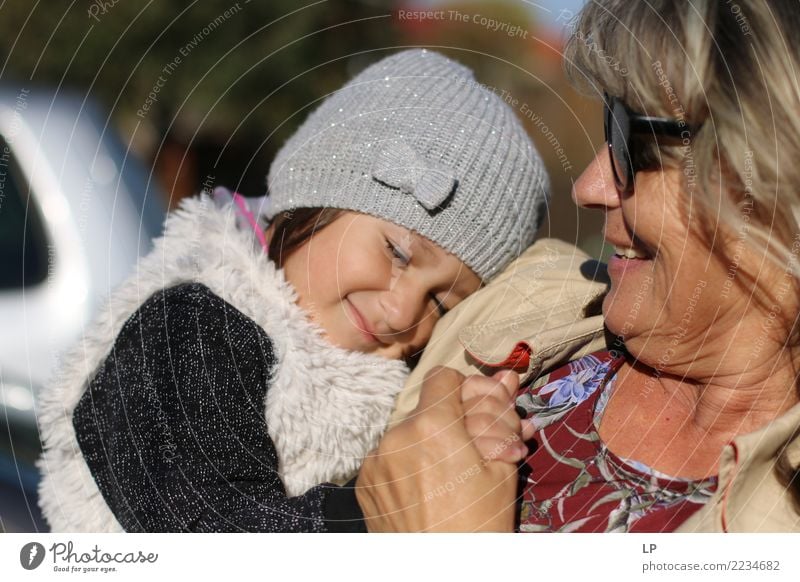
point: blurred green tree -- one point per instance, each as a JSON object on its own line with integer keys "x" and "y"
{"x": 223, "y": 80}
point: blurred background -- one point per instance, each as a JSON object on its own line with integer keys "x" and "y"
{"x": 112, "y": 111}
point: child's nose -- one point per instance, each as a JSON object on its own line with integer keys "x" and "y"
{"x": 403, "y": 306}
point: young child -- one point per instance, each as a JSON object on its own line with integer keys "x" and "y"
{"x": 223, "y": 384}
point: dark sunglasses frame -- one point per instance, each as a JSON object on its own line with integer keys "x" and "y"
{"x": 621, "y": 124}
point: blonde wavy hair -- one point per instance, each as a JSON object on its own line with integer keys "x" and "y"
{"x": 731, "y": 68}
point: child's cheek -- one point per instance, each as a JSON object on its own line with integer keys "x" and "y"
{"x": 364, "y": 268}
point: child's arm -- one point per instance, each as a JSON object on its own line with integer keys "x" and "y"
{"x": 172, "y": 425}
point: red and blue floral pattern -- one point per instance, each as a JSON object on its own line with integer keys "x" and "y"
{"x": 572, "y": 482}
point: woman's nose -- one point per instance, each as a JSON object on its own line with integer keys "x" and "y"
{"x": 595, "y": 187}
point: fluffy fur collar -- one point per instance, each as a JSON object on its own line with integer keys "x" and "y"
{"x": 326, "y": 408}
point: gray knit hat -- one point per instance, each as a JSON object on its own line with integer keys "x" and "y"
{"x": 416, "y": 140}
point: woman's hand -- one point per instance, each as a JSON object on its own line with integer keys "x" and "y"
{"x": 428, "y": 474}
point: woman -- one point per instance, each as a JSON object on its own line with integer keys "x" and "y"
{"x": 691, "y": 417}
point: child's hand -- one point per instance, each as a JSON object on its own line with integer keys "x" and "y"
{"x": 491, "y": 419}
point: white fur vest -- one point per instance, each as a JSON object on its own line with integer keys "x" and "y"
{"x": 325, "y": 408}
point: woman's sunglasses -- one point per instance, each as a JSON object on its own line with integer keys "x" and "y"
{"x": 621, "y": 126}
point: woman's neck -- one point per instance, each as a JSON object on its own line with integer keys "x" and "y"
{"x": 679, "y": 425}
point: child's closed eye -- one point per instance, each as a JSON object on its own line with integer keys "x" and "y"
{"x": 397, "y": 254}
{"x": 440, "y": 306}
{"x": 405, "y": 259}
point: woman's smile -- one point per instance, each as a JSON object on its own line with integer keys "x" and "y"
{"x": 627, "y": 259}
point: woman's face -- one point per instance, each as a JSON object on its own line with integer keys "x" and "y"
{"x": 671, "y": 299}
{"x": 376, "y": 287}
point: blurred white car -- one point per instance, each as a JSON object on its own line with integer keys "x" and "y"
{"x": 76, "y": 212}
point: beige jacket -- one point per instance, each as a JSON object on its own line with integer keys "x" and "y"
{"x": 750, "y": 498}
{"x": 543, "y": 311}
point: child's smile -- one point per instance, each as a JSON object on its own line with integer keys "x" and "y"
{"x": 361, "y": 324}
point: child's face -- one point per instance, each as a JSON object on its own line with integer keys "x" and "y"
{"x": 376, "y": 287}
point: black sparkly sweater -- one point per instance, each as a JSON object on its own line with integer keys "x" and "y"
{"x": 172, "y": 425}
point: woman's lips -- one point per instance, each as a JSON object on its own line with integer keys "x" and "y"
{"x": 617, "y": 265}
{"x": 361, "y": 324}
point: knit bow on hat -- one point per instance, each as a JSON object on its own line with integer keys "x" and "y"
{"x": 399, "y": 166}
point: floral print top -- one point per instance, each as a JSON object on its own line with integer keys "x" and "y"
{"x": 572, "y": 482}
